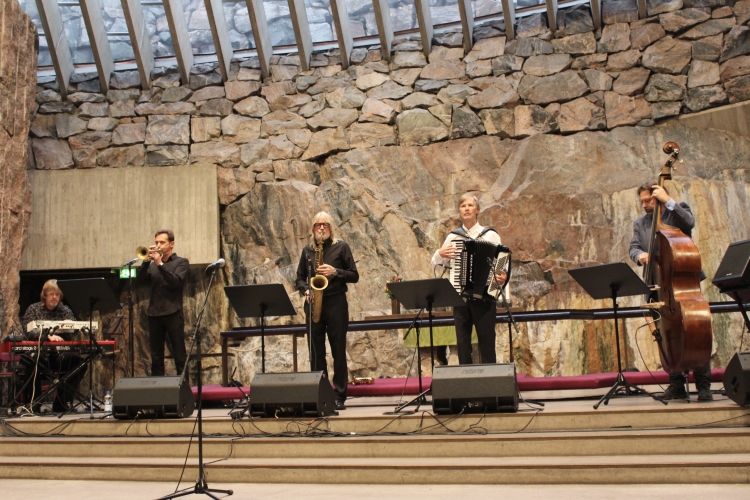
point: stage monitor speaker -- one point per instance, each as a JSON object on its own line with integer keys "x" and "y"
{"x": 737, "y": 378}
{"x": 475, "y": 389}
{"x": 161, "y": 397}
{"x": 307, "y": 394}
{"x": 734, "y": 270}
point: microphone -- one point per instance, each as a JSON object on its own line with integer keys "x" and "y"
{"x": 130, "y": 262}
{"x": 216, "y": 265}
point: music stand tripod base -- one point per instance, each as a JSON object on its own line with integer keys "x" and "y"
{"x": 610, "y": 281}
{"x": 424, "y": 295}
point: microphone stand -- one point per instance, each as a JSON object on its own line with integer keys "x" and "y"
{"x": 513, "y": 325}
{"x": 131, "y": 334}
{"x": 95, "y": 352}
{"x": 309, "y": 312}
{"x": 201, "y": 486}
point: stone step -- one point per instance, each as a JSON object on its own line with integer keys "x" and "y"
{"x": 603, "y": 469}
{"x": 539, "y": 444}
{"x": 621, "y": 413}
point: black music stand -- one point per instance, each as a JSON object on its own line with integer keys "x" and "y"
{"x": 424, "y": 294}
{"x": 609, "y": 281}
{"x": 90, "y": 294}
{"x": 260, "y": 301}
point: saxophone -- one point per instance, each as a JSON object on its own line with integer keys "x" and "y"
{"x": 318, "y": 283}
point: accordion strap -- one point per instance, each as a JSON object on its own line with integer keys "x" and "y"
{"x": 462, "y": 232}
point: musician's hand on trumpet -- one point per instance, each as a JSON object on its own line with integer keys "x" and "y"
{"x": 155, "y": 254}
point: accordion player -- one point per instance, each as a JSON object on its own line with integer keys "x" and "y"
{"x": 484, "y": 247}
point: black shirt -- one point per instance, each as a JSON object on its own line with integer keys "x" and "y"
{"x": 338, "y": 255}
{"x": 167, "y": 282}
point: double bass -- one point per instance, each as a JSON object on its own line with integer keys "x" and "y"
{"x": 683, "y": 329}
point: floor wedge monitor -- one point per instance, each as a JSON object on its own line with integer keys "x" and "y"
{"x": 475, "y": 389}
{"x": 161, "y": 397}
{"x": 306, "y": 394}
{"x": 737, "y": 378}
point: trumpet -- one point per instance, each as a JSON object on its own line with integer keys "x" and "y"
{"x": 142, "y": 253}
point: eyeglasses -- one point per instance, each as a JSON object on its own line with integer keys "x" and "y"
{"x": 321, "y": 224}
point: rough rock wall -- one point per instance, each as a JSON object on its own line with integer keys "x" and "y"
{"x": 554, "y": 133}
{"x": 559, "y": 202}
{"x": 18, "y": 39}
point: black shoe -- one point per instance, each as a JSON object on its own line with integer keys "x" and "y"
{"x": 340, "y": 405}
{"x": 675, "y": 392}
{"x": 705, "y": 395}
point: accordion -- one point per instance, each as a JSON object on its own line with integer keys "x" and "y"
{"x": 473, "y": 271}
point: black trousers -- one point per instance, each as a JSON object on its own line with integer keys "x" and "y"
{"x": 53, "y": 366}
{"x": 702, "y": 378}
{"x": 479, "y": 313}
{"x": 334, "y": 321}
{"x": 161, "y": 327}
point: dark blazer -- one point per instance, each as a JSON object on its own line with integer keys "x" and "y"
{"x": 681, "y": 216}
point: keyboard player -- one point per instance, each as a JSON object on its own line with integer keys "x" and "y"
{"x": 476, "y": 312}
{"x": 51, "y": 308}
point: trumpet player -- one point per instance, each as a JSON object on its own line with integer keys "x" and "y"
{"x": 165, "y": 272}
{"x": 330, "y": 258}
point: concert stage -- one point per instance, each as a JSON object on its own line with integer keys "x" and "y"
{"x": 633, "y": 440}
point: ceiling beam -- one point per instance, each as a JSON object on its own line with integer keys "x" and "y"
{"x": 62, "y": 61}
{"x": 596, "y": 12}
{"x": 552, "y": 15}
{"x": 301, "y": 32}
{"x": 220, "y": 33}
{"x": 385, "y": 30}
{"x": 144, "y": 56}
{"x": 343, "y": 34}
{"x": 642, "y": 10}
{"x": 105, "y": 64}
{"x": 509, "y": 15}
{"x": 260, "y": 33}
{"x": 183, "y": 49}
{"x": 467, "y": 24}
{"x": 425, "y": 24}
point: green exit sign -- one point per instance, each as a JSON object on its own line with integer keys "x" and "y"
{"x": 124, "y": 273}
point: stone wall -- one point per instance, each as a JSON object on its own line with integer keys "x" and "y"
{"x": 553, "y": 132}
{"x": 18, "y": 39}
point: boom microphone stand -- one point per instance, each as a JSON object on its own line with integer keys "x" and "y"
{"x": 201, "y": 486}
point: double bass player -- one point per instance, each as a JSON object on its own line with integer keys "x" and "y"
{"x": 680, "y": 216}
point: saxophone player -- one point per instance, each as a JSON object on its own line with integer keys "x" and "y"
{"x": 334, "y": 262}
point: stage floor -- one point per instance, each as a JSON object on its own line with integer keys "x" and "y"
{"x": 119, "y": 490}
